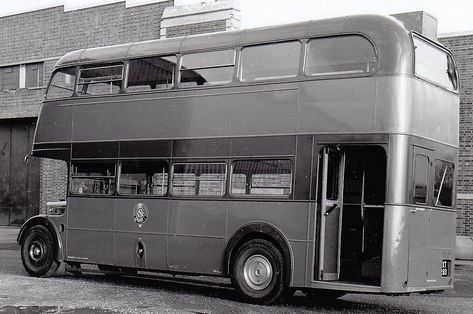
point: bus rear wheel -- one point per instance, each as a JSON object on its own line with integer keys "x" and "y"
{"x": 38, "y": 252}
{"x": 258, "y": 272}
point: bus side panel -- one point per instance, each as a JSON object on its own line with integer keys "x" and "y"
{"x": 90, "y": 230}
{"x": 418, "y": 242}
{"x": 441, "y": 247}
{"x": 196, "y": 240}
{"x": 325, "y": 108}
{"x": 288, "y": 217}
{"x": 152, "y": 233}
{"x": 412, "y": 106}
{"x": 55, "y": 123}
{"x": 395, "y": 249}
{"x": 114, "y": 118}
{"x": 251, "y": 110}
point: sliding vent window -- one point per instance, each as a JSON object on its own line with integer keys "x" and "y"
{"x": 155, "y": 73}
{"x": 262, "y": 178}
{"x": 144, "y": 177}
{"x": 272, "y": 61}
{"x": 443, "y": 183}
{"x": 62, "y": 84}
{"x": 100, "y": 80}
{"x": 207, "y": 68}
{"x": 199, "y": 179}
{"x": 341, "y": 55}
{"x": 93, "y": 178}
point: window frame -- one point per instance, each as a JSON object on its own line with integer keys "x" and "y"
{"x": 74, "y": 94}
{"x": 40, "y": 75}
{"x": 235, "y": 65}
{"x": 339, "y": 75}
{"x": 99, "y": 65}
{"x": 127, "y": 72}
{"x": 427, "y": 181}
{"x": 119, "y": 173}
{"x": 239, "y": 65}
{"x": 14, "y": 71}
{"x": 452, "y": 196}
{"x": 450, "y": 62}
{"x": 71, "y": 177}
{"x": 171, "y": 181}
{"x": 250, "y": 196}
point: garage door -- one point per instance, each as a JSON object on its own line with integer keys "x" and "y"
{"x": 19, "y": 181}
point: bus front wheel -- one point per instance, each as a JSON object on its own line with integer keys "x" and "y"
{"x": 258, "y": 272}
{"x": 38, "y": 252}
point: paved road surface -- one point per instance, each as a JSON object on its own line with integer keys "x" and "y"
{"x": 97, "y": 293}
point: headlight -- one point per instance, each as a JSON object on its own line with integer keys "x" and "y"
{"x": 56, "y": 208}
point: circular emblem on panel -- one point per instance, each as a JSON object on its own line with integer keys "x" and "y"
{"x": 140, "y": 214}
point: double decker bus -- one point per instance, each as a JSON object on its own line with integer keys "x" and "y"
{"x": 319, "y": 156}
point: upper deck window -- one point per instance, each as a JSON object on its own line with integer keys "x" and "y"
{"x": 271, "y": 61}
{"x": 151, "y": 73}
{"x": 62, "y": 83}
{"x": 435, "y": 65}
{"x": 207, "y": 68}
{"x": 100, "y": 80}
{"x": 349, "y": 55}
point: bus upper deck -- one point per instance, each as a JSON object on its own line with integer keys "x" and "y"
{"x": 351, "y": 75}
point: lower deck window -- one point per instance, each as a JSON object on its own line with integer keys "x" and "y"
{"x": 262, "y": 178}
{"x": 443, "y": 183}
{"x": 144, "y": 177}
{"x": 199, "y": 179}
{"x": 93, "y": 178}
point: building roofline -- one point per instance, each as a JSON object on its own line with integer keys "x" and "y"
{"x": 68, "y": 7}
{"x": 456, "y": 34}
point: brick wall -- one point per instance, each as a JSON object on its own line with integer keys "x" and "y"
{"x": 197, "y": 28}
{"x": 53, "y": 181}
{"x": 462, "y": 49}
{"x": 52, "y": 32}
{"x": 45, "y": 35}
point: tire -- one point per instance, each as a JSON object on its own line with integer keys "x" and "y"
{"x": 38, "y": 252}
{"x": 258, "y": 272}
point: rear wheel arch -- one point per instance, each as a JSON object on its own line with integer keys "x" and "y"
{"x": 260, "y": 230}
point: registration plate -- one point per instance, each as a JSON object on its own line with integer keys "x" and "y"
{"x": 446, "y": 266}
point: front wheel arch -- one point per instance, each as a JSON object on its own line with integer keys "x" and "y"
{"x": 41, "y": 220}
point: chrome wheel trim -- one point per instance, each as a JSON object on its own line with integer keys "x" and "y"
{"x": 257, "y": 272}
{"x": 36, "y": 251}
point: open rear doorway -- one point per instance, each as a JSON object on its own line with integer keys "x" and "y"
{"x": 351, "y": 213}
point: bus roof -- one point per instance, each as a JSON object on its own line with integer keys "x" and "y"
{"x": 391, "y": 39}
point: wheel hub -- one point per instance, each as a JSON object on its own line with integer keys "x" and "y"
{"x": 36, "y": 251}
{"x": 258, "y": 272}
